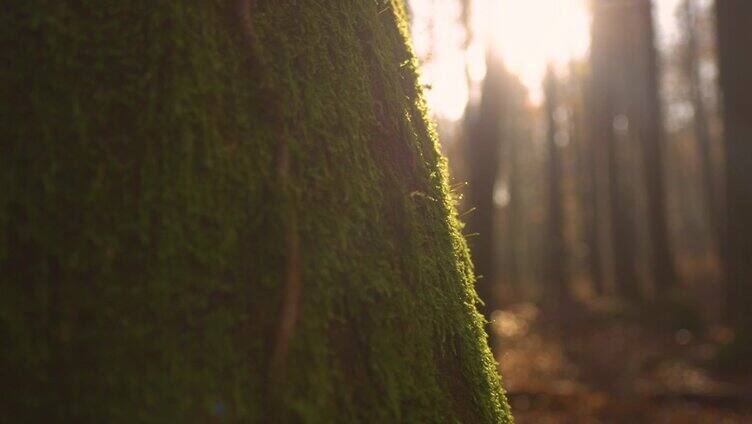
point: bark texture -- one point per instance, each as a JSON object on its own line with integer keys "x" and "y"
{"x": 228, "y": 211}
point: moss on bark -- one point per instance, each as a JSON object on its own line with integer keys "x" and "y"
{"x": 179, "y": 177}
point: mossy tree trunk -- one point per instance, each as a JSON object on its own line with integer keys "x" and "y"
{"x": 228, "y": 210}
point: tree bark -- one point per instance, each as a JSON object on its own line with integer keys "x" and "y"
{"x": 228, "y": 211}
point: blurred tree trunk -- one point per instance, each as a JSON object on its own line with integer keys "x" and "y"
{"x": 556, "y": 275}
{"x": 515, "y": 134}
{"x": 734, "y": 41}
{"x": 609, "y": 52}
{"x": 622, "y": 235}
{"x": 482, "y": 159}
{"x": 651, "y": 135}
{"x": 701, "y": 129}
{"x": 595, "y": 253}
{"x": 515, "y": 211}
{"x": 228, "y": 212}
{"x": 588, "y": 168}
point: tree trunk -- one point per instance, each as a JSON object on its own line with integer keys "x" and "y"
{"x": 611, "y": 108}
{"x": 556, "y": 274}
{"x": 516, "y": 206}
{"x": 228, "y": 211}
{"x": 626, "y": 279}
{"x": 591, "y": 216}
{"x": 482, "y": 159}
{"x": 651, "y": 135}
{"x": 734, "y": 38}
{"x": 701, "y": 129}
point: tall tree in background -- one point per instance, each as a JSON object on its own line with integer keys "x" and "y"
{"x": 556, "y": 275}
{"x": 609, "y": 52}
{"x": 588, "y": 167}
{"x": 734, "y": 40}
{"x": 515, "y": 135}
{"x": 627, "y": 110}
{"x": 228, "y": 211}
{"x": 692, "y": 61}
{"x": 651, "y": 135}
{"x": 515, "y": 211}
{"x": 483, "y": 129}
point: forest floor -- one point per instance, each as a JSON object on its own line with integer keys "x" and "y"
{"x": 602, "y": 364}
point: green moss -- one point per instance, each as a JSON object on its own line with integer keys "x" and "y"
{"x": 143, "y": 219}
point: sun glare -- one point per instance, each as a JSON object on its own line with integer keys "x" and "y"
{"x": 438, "y": 39}
{"x": 527, "y": 34}
{"x": 530, "y": 34}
